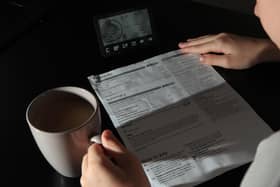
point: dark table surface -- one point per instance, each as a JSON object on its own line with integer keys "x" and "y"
{"x": 61, "y": 49}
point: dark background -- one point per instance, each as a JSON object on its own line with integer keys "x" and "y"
{"x": 46, "y": 44}
{"x": 244, "y": 6}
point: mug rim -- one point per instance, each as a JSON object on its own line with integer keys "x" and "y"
{"x": 66, "y": 89}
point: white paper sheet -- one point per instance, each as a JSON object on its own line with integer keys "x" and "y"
{"x": 180, "y": 117}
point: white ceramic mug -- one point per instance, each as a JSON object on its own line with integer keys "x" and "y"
{"x": 64, "y": 146}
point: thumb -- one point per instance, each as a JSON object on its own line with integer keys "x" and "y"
{"x": 216, "y": 60}
{"x": 114, "y": 149}
{"x": 111, "y": 143}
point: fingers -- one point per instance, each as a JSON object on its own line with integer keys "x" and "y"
{"x": 99, "y": 155}
{"x": 84, "y": 164}
{"x": 92, "y": 159}
{"x": 216, "y": 60}
{"x": 95, "y": 154}
{"x": 197, "y": 41}
{"x": 219, "y": 43}
{"x": 98, "y": 159}
{"x": 96, "y": 165}
{"x": 84, "y": 169}
{"x": 212, "y": 46}
{"x": 115, "y": 150}
{"x": 111, "y": 154}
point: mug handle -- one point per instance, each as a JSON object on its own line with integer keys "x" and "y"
{"x": 96, "y": 139}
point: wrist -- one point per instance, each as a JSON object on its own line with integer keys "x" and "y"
{"x": 269, "y": 52}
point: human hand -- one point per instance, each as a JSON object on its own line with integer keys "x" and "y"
{"x": 231, "y": 51}
{"x": 111, "y": 165}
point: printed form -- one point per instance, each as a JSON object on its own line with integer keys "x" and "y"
{"x": 180, "y": 117}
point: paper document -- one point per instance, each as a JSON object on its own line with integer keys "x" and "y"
{"x": 180, "y": 117}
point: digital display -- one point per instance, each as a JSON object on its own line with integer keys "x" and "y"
{"x": 125, "y": 30}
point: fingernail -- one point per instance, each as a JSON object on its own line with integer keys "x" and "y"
{"x": 201, "y": 59}
{"x": 183, "y": 44}
{"x": 109, "y": 134}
